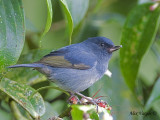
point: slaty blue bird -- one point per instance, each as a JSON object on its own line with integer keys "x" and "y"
{"x": 76, "y": 67}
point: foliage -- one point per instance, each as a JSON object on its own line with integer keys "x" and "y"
{"x": 30, "y": 29}
{"x": 135, "y": 32}
{"x": 12, "y": 32}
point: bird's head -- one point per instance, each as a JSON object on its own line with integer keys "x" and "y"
{"x": 102, "y": 45}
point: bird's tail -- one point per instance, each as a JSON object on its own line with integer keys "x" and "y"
{"x": 32, "y": 65}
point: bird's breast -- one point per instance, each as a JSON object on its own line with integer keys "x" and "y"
{"x": 102, "y": 67}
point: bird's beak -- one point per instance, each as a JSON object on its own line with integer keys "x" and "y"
{"x": 114, "y": 48}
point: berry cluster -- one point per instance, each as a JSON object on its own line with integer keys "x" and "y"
{"x": 83, "y": 101}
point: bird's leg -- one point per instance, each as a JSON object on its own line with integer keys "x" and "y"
{"x": 91, "y": 100}
{"x": 97, "y": 101}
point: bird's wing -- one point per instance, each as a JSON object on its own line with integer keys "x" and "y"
{"x": 69, "y": 59}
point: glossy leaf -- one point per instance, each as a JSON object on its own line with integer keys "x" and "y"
{"x": 138, "y": 34}
{"x": 21, "y": 93}
{"x": 69, "y": 19}
{"x": 49, "y": 17}
{"x": 12, "y": 31}
{"x": 155, "y": 95}
{"x": 75, "y": 11}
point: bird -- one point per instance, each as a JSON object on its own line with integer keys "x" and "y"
{"x": 76, "y": 67}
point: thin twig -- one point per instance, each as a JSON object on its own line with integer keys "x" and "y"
{"x": 49, "y": 87}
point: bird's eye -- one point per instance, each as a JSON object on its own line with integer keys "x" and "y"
{"x": 102, "y": 44}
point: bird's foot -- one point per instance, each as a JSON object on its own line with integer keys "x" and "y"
{"x": 86, "y": 99}
{"x": 73, "y": 99}
{"x": 94, "y": 101}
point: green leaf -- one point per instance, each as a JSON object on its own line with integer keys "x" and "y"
{"x": 137, "y": 36}
{"x": 155, "y": 95}
{"x": 93, "y": 115}
{"x": 12, "y": 31}
{"x": 49, "y": 17}
{"x": 78, "y": 112}
{"x": 21, "y": 93}
{"x": 69, "y": 19}
{"x": 75, "y": 11}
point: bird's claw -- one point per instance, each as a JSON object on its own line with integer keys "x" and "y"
{"x": 88, "y": 101}
{"x": 94, "y": 101}
{"x": 73, "y": 99}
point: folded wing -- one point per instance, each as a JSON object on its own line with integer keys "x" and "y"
{"x": 65, "y": 58}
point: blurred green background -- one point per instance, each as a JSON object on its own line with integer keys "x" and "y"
{"x": 102, "y": 18}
